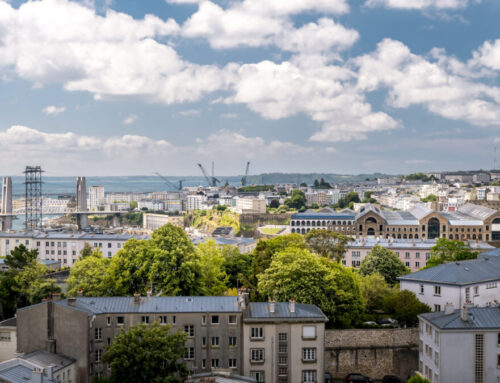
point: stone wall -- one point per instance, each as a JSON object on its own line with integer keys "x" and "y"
{"x": 372, "y": 352}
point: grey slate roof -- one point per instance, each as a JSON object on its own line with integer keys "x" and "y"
{"x": 44, "y": 358}
{"x": 20, "y": 374}
{"x": 459, "y": 273}
{"x": 491, "y": 253}
{"x": 118, "y": 305}
{"x": 11, "y": 322}
{"x": 260, "y": 311}
{"x": 427, "y": 244}
{"x": 479, "y": 318}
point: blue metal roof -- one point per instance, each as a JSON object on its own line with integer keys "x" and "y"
{"x": 459, "y": 273}
{"x": 260, "y": 310}
{"x": 21, "y": 374}
{"x": 491, "y": 253}
{"x": 116, "y": 305}
{"x": 479, "y": 318}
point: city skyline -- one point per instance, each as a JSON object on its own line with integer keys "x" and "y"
{"x": 127, "y": 88}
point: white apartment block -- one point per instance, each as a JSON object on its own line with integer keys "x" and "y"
{"x": 475, "y": 282}
{"x": 96, "y": 197}
{"x": 249, "y": 205}
{"x": 64, "y": 247}
{"x": 151, "y": 205}
{"x": 460, "y": 345}
{"x": 196, "y": 202}
{"x": 155, "y": 221}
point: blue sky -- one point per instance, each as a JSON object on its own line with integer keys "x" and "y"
{"x": 123, "y": 87}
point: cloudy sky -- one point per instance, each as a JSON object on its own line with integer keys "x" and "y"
{"x": 123, "y": 87}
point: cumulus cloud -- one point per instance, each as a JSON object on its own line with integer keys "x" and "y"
{"x": 53, "y": 110}
{"x": 488, "y": 55}
{"x": 441, "y": 84}
{"x": 189, "y": 112}
{"x": 418, "y": 4}
{"x": 130, "y": 119}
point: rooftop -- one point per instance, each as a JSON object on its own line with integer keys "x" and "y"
{"x": 44, "y": 359}
{"x": 479, "y": 318}
{"x": 459, "y": 273}
{"x": 261, "y": 311}
{"x": 11, "y": 322}
{"x": 408, "y": 243}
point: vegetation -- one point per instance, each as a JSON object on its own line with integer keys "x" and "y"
{"x": 209, "y": 220}
{"x": 404, "y": 306}
{"x": 384, "y": 262}
{"x": 416, "y": 177}
{"x": 88, "y": 275}
{"x": 297, "y": 200}
{"x": 214, "y": 279}
{"x": 374, "y": 289}
{"x": 429, "y": 198}
{"x": 147, "y": 354}
{"x": 255, "y": 188}
{"x": 328, "y": 244}
{"x": 296, "y": 273}
{"x": 348, "y": 201}
{"x": 447, "y": 250}
{"x": 271, "y": 230}
{"x": 418, "y": 379}
{"x": 321, "y": 184}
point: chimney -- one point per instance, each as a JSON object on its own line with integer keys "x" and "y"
{"x": 449, "y": 309}
{"x": 36, "y": 376}
{"x": 464, "y": 313}
{"x": 56, "y": 296}
{"x": 149, "y": 292}
{"x": 50, "y": 370}
{"x": 137, "y": 297}
{"x": 292, "y": 305}
{"x": 72, "y": 301}
{"x": 271, "y": 305}
{"x": 80, "y": 293}
{"x": 242, "y": 299}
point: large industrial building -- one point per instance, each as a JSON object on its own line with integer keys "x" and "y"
{"x": 469, "y": 223}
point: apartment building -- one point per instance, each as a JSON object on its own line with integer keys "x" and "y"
{"x": 475, "y": 282}
{"x": 96, "y": 197}
{"x": 155, "y": 221}
{"x": 413, "y": 253}
{"x": 196, "y": 202}
{"x": 64, "y": 247}
{"x": 460, "y": 345}
{"x": 249, "y": 205}
{"x": 223, "y": 333}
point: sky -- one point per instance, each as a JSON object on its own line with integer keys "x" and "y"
{"x": 128, "y": 87}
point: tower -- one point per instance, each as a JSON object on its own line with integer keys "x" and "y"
{"x": 33, "y": 197}
{"x": 81, "y": 194}
{"x": 6, "y": 207}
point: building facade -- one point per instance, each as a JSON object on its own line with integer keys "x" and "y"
{"x": 155, "y": 221}
{"x": 96, "y": 197}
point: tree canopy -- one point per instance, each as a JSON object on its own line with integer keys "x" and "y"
{"x": 405, "y": 307}
{"x": 374, "y": 289}
{"x": 309, "y": 278}
{"x": 447, "y": 250}
{"x": 327, "y": 243}
{"x": 214, "y": 280}
{"x": 385, "y": 262}
{"x": 297, "y": 200}
{"x": 89, "y": 275}
{"x": 147, "y": 354}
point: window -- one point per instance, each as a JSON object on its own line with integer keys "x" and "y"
{"x": 478, "y": 358}
{"x": 467, "y": 294}
{"x": 257, "y": 375}
{"x": 309, "y": 376}
{"x": 203, "y": 319}
{"x": 145, "y": 319}
{"x": 498, "y": 360}
{"x": 283, "y": 347}
{"x": 436, "y": 358}
{"x": 257, "y": 333}
{"x": 476, "y": 291}
{"x": 214, "y": 363}
{"x": 407, "y": 254}
{"x": 232, "y": 319}
{"x": 283, "y": 371}
{"x": 203, "y": 363}
{"x": 257, "y": 355}
{"x": 98, "y": 355}
{"x": 417, "y": 255}
{"x": 163, "y": 319}
{"x": 108, "y": 321}
{"x": 215, "y": 319}
{"x": 120, "y": 321}
{"x": 204, "y": 341}
{"x": 232, "y": 341}
{"x": 421, "y": 289}
{"x": 108, "y": 342}
{"x": 437, "y": 290}
{"x": 491, "y": 285}
{"x": 98, "y": 333}
{"x": 283, "y": 336}
{"x": 232, "y": 363}
{"x": 109, "y": 245}
{"x": 189, "y": 330}
{"x": 5, "y": 336}
{"x": 189, "y": 353}
{"x": 407, "y": 264}
{"x": 417, "y": 264}
{"x": 174, "y": 319}
{"x": 215, "y": 341}
{"x": 309, "y": 332}
{"x": 437, "y": 307}
{"x": 283, "y": 359}
{"x": 309, "y": 354}
{"x": 498, "y": 339}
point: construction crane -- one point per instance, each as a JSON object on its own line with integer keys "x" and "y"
{"x": 244, "y": 179}
{"x": 212, "y": 181}
{"x": 170, "y": 184}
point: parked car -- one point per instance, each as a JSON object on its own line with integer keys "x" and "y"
{"x": 391, "y": 379}
{"x": 357, "y": 378}
{"x": 328, "y": 378}
{"x": 387, "y": 322}
{"x": 370, "y": 323}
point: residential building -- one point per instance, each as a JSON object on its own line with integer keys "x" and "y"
{"x": 244, "y": 245}
{"x": 155, "y": 221}
{"x": 153, "y": 205}
{"x": 413, "y": 253}
{"x": 8, "y": 339}
{"x": 196, "y": 202}
{"x": 96, "y": 197}
{"x": 280, "y": 340}
{"x": 249, "y": 205}
{"x": 460, "y": 345}
{"x": 475, "y": 282}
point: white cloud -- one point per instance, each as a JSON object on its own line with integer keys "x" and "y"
{"x": 53, "y": 110}
{"x": 488, "y": 55}
{"x": 418, "y": 4}
{"x": 441, "y": 84}
{"x": 190, "y": 112}
{"x": 229, "y": 115}
{"x": 130, "y": 119}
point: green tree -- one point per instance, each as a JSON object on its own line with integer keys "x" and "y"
{"x": 327, "y": 243}
{"x": 275, "y": 203}
{"x": 309, "y": 278}
{"x": 31, "y": 284}
{"x": 316, "y": 184}
{"x": 447, "y": 250}
{"x": 237, "y": 266}
{"x": 429, "y": 198}
{"x": 348, "y": 200}
{"x": 20, "y": 257}
{"x": 374, "y": 289}
{"x": 297, "y": 200}
{"x": 88, "y": 275}
{"x": 418, "y": 379}
{"x": 86, "y": 251}
{"x": 405, "y": 307}
{"x": 134, "y": 205}
{"x": 147, "y": 354}
{"x": 385, "y": 262}
{"x": 214, "y": 280}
